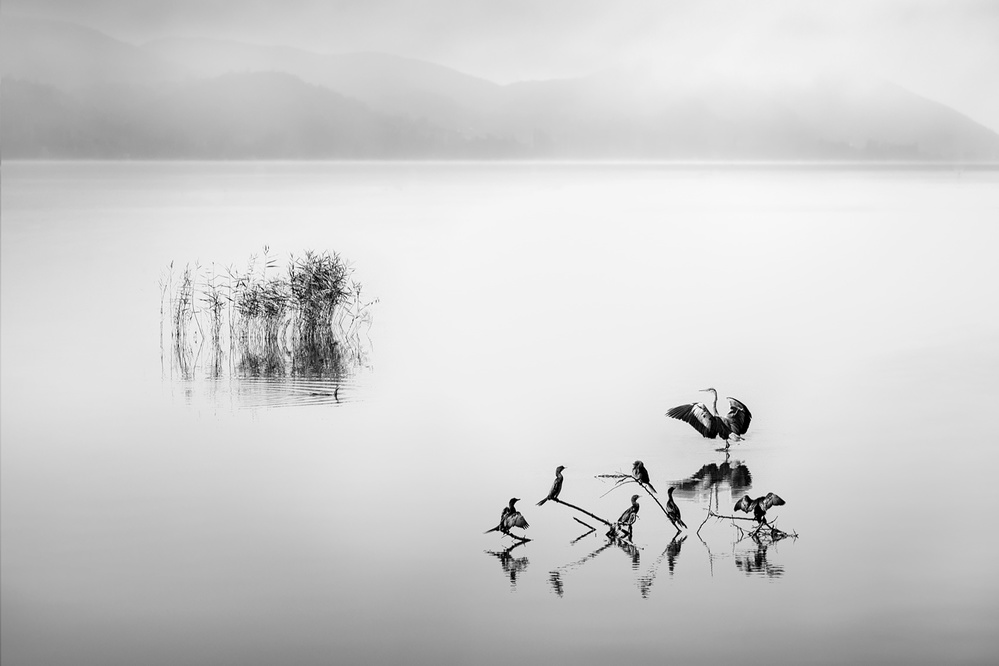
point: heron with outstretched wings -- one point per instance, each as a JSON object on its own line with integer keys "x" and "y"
{"x": 710, "y": 424}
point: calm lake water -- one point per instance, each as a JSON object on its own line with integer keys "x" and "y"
{"x": 528, "y": 316}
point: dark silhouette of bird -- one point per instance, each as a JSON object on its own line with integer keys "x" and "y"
{"x": 514, "y": 518}
{"x": 673, "y": 552}
{"x": 758, "y": 507}
{"x": 556, "y": 486}
{"x": 642, "y": 475}
{"x": 507, "y": 510}
{"x": 707, "y": 421}
{"x": 673, "y": 511}
{"x": 630, "y": 514}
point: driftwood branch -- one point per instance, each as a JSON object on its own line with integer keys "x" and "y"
{"x": 623, "y": 479}
{"x": 771, "y": 531}
{"x": 573, "y": 506}
{"x": 590, "y": 530}
{"x": 612, "y": 533}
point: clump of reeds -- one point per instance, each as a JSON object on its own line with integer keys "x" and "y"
{"x": 306, "y": 320}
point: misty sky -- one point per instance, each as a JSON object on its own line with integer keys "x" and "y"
{"x": 947, "y": 50}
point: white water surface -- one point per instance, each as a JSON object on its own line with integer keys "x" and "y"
{"x": 528, "y": 315}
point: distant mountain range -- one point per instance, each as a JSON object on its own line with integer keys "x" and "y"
{"x": 73, "y": 92}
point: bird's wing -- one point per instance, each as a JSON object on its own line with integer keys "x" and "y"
{"x": 516, "y": 519}
{"x": 696, "y": 415}
{"x": 738, "y": 416}
{"x": 772, "y": 499}
{"x": 743, "y": 504}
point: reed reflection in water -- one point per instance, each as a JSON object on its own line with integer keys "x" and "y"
{"x": 270, "y": 339}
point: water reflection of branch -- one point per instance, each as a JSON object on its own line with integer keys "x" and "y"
{"x": 711, "y": 556}
{"x": 671, "y": 554}
{"x": 591, "y": 529}
{"x": 511, "y": 565}
{"x": 555, "y": 576}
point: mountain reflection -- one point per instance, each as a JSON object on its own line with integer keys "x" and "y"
{"x": 512, "y": 566}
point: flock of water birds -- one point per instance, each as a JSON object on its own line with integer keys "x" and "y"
{"x": 710, "y": 424}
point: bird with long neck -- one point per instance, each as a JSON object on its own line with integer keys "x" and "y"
{"x": 630, "y": 514}
{"x": 673, "y": 511}
{"x": 710, "y": 423}
{"x": 556, "y": 486}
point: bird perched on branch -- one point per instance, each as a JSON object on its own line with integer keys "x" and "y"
{"x": 673, "y": 511}
{"x": 556, "y": 486}
{"x": 758, "y": 507}
{"x": 502, "y": 520}
{"x": 707, "y": 422}
{"x": 514, "y": 518}
{"x": 630, "y": 514}
{"x": 641, "y": 474}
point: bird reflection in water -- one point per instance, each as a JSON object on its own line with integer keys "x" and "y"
{"x": 670, "y": 556}
{"x": 632, "y": 551}
{"x": 512, "y": 566}
{"x": 754, "y": 563}
{"x": 710, "y": 478}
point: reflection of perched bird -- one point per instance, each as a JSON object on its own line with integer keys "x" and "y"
{"x": 673, "y": 511}
{"x": 630, "y": 514}
{"x": 758, "y": 507}
{"x": 556, "y": 486}
{"x": 710, "y": 424}
{"x": 673, "y": 552}
{"x": 641, "y": 474}
{"x": 507, "y": 510}
{"x": 514, "y": 518}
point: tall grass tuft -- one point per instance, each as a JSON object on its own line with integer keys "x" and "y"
{"x": 309, "y": 319}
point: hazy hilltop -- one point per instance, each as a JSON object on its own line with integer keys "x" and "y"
{"x": 69, "y": 91}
